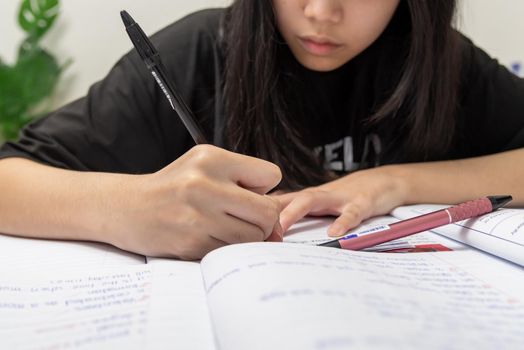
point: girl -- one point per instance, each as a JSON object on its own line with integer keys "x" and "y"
{"x": 360, "y": 106}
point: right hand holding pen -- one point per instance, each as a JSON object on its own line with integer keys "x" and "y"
{"x": 207, "y": 198}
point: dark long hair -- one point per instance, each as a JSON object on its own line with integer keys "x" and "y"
{"x": 257, "y": 123}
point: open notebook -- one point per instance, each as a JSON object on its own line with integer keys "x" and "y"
{"x": 260, "y": 296}
{"x": 500, "y": 233}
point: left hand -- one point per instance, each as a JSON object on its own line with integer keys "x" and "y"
{"x": 353, "y": 198}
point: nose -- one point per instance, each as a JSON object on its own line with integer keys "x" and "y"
{"x": 323, "y": 10}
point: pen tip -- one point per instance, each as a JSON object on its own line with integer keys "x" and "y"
{"x": 499, "y": 201}
{"x": 334, "y": 244}
{"x": 126, "y": 18}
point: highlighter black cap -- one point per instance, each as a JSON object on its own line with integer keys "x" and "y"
{"x": 499, "y": 201}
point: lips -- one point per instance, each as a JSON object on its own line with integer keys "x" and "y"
{"x": 318, "y": 45}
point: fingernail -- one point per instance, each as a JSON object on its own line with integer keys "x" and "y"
{"x": 335, "y": 230}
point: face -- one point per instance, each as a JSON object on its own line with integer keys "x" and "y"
{"x": 325, "y": 34}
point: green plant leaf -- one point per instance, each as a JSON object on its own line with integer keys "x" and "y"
{"x": 37, "y": 16}
{"x": 36, "y": 73}
{"x": 33, "y": 77}
{"x": 10, "y": 103}
{"x": 24, "y": 86}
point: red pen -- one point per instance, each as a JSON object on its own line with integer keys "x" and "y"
{"x": 421, "y": 223}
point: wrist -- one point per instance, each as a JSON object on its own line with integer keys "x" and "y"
{"x": 401, "y": 182}
{"x": 112, "y": 196}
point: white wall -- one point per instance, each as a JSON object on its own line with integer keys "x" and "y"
{"x": 497, "y": 27}
{"x": 92, "y": 33}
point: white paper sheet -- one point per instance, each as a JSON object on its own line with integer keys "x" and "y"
{"x": 289, "y": 296}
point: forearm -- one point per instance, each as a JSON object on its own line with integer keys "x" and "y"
{"x": 42, "y": 201}
{"x": 168, "y": 213}
{"x": 460, "y": 180}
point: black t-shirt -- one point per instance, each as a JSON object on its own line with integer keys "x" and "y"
{"x": 126, "y": 125}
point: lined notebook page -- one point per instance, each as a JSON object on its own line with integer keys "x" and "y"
{"x": 132, "y": 307}
{"x": 26, "y": 255}
{"x": 56, "y": 310}
{"x": 269, "y": 296}
{"x": 500, "y": 233}
{"x": 179, "y": 307}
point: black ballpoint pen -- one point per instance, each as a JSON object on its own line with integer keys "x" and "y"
{"x": 151, "y": 58}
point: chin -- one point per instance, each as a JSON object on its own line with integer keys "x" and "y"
{"x": 321, "y": 64}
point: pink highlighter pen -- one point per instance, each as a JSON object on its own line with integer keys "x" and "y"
{"x": 421, "y": 223}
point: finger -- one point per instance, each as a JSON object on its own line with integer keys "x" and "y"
{"x": 351, "y": 217}
{"x": 234, "y": 230}
{"x": 261, "y": 211}
{"x": 297, "y": 209}
{"x": 255, "y": 174}
{"x": 285, "y": 199}
{"x": 310, "y": 203}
